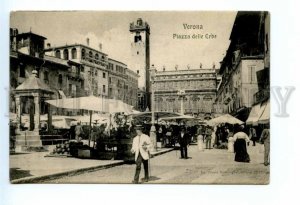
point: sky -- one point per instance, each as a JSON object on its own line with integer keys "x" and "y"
{"x": 111, "y": 29}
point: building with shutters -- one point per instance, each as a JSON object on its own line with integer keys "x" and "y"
{"x": 122, "y": 83}
{"x": 244, "y": 59}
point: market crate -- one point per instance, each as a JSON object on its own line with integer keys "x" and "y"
{"x": 84, "y": 153}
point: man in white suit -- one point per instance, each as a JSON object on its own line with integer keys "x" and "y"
{"x": 141, "y": 147}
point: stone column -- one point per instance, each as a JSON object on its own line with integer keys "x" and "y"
{"x": 49, "y": 118}
{"x": 61, "y": 54}
{"x": 153, "y": 129}
{"x": 78, "y": 53}
{"x": 36, "y": 112}
{"x": 181, "y": 105}
{"x": 18, "y": 112}
{"x": 70, "y": 53}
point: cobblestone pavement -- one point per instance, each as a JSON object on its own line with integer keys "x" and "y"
{"x": 213, "y": 166}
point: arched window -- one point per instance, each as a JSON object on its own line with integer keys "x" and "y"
{"x": 91, "y": 54}
{"x": 66, "y": 54}
{"x": 83, "y": 53}
{"x": 96, "y": 56}
{"x": 74, "y": 53}
{"x": 46, "y": 76}
{"x": 57, "y": 54}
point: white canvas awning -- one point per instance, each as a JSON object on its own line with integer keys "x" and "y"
{"x": 255, "y": 114}
{"x": 92, "y": 103}
{"x": 265, "y": 117}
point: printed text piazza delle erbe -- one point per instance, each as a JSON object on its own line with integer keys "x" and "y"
{"x": 189, "y": 27}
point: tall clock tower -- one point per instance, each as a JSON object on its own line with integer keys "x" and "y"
{"x": 140, "y": 54}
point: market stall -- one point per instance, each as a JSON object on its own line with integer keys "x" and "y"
{"x": 109, "y": 136}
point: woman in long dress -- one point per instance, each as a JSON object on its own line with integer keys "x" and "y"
{"x": 230, "y": 141}
{"x": 200, "y": 142}
{"x": 213, "y": 136}
{"x": 240, "y": 146}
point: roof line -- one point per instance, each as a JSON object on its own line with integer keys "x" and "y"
{"x": 72, "y": 45}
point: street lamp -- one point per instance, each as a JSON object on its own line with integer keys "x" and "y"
{"x": 153, "y": 129}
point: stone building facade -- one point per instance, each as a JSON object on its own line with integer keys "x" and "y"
{"x": 93, "y": 66}
{"x": 239, "y": 68}
{"x": 131, "y": 96}
{"x": 26, "y": 55}
{"x": 70, "y": 71}
{"x": 197, "y": 86}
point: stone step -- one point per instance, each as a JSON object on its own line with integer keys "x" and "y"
{"x": 30, "y": 139}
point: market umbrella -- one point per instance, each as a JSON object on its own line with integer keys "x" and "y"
{"x": 187, "y": 119}
{"x": 145, "y": 116}
{"x": 224, "y": 119}
{"x": 180, "y": 117}
{"x": 157, "y": 114}
{"x": 114, "y": 106}
{"x": 85, "y": 103}
{"x": 92, "y": 103}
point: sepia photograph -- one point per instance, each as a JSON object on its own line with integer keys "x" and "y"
{"x": 139, "y": 97}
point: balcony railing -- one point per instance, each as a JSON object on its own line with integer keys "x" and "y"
{"x": 261, "y": 95}
{"x": 76, "y": 76}
{"x": 92, "y": 61}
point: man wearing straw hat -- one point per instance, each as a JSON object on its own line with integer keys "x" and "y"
{"x": 141, "y": 147}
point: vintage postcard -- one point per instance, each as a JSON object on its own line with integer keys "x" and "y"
{"x": 139, "y": 97}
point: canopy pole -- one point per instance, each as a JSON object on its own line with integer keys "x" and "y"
{"x": 109, "y": 125}
{"x": 90, "y": 130}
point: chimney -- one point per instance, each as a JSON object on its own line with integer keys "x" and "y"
{"x": 48, "y": 45}
{"x": 87, "y": 41}
{"x": 100, "y": 46}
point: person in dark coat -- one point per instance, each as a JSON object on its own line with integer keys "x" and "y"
{"x": 208, "y": 133}
{"x": 265, "y": 139}
{"x": 183, "y": 140}
{"x": 252, "y": 135}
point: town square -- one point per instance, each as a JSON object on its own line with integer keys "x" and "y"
{"x": 139, "y": 97}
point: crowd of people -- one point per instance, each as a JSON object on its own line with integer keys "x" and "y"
{"x": 235, "y": 138}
